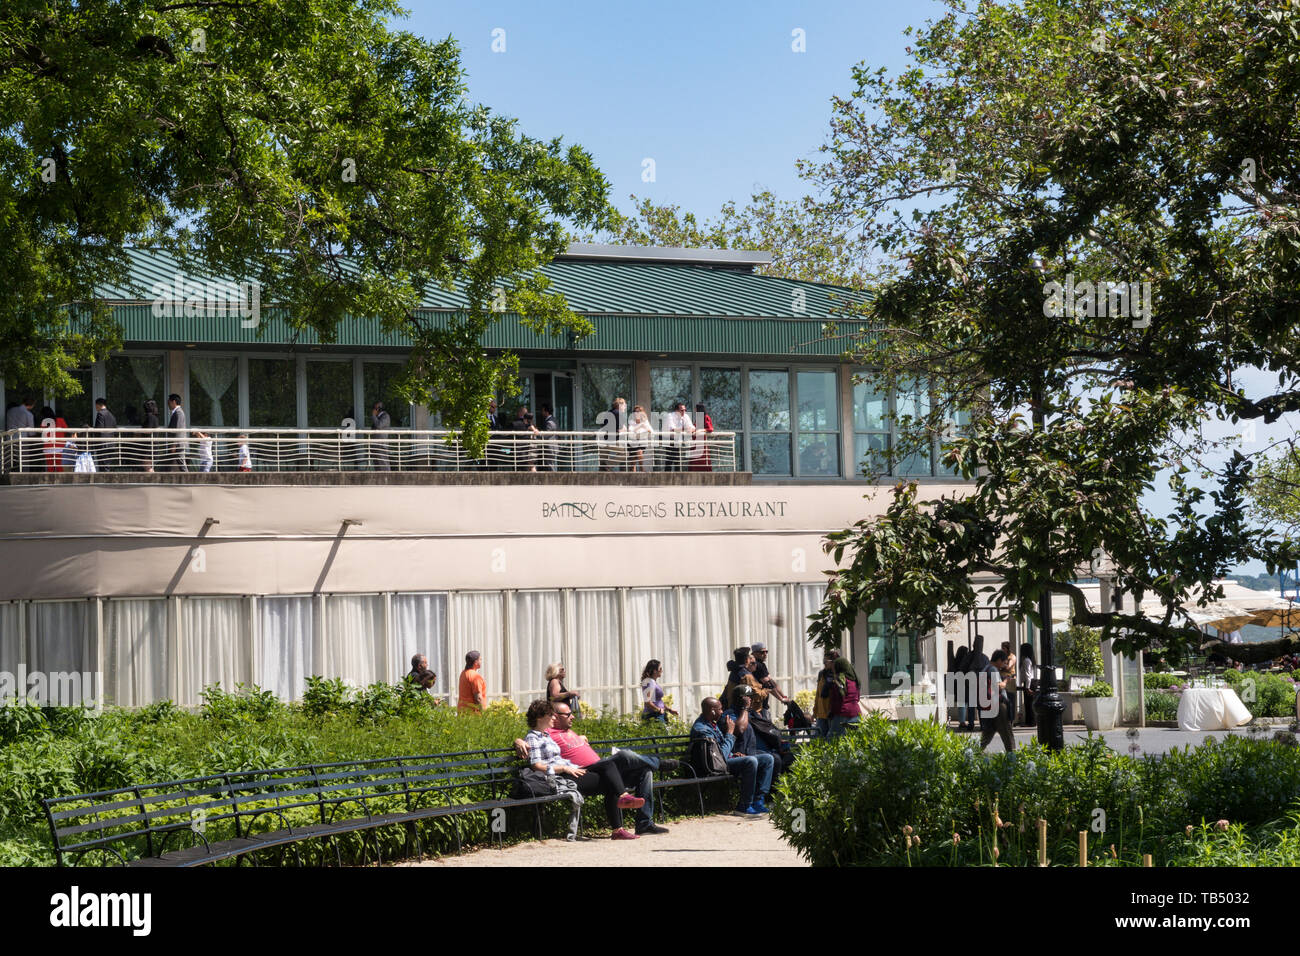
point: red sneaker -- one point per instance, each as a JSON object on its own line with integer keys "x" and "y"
{"x": 622, "y": 834}
{"x": 629, "y": 802}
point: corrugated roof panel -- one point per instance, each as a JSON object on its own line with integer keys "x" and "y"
{"x": 592, "y": 288}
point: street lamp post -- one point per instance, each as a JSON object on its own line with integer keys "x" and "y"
{"x": 1048, "y": 706}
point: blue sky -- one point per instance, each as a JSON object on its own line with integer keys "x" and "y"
{"x": 713, "y": 92}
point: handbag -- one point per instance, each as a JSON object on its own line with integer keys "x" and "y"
{"x": 535, "y": 783}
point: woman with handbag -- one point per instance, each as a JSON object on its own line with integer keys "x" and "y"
{"x": 547, "y": 772}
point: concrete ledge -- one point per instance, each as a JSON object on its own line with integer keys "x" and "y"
{"x": 656, "y": 479}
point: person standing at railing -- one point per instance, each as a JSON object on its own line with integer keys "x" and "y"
{"x": 549, "y": 445}
{"x": 523, "y": 445}
{"x": 640, "y": 434}
{"x": 381, "y": 422}
{"x": 150, "y": 426}
{"x": 678, "y": 427}
{"x": 700, "y": 460}
{"x": 176, "y": 423}
{"x": 245, "y": 457}
{"x": 611, "y": 453}
{"x": 106, "y": 454}
{"x": 55, "y": 433}
{"x": 20, "y": 416}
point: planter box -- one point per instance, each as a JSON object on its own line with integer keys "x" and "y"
{"x": 1099, "y": 712}
{"x": 916, "y": 711}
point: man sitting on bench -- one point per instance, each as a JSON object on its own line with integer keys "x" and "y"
{"x": 629, "y": 767}
{"x": 743, "y": 767}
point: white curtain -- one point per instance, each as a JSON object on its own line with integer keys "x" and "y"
{"x": 762, "y": 618}
{"x": 537, "y": 640}
{"x": 10, "y": 638}
{"x": 148, "y": 372}
{"x": 214, "y": 646}
{"x": 477, "y": 625}
{"x": 215, "y": 376}
{"x": 652, "y": 629}
{"x": 419, "y": 626}
{"x": 61, "y": 644}
{"x": 597, "y": 671}
{"x": 708, "y": 642}
{"x": 353, "y": 645}
{"x": 808, "y": 598}
{"x": 135, "y": 651}
{"x": 284, "y": 643}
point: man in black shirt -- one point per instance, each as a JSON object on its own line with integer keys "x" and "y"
{"x": 759, "y": 650}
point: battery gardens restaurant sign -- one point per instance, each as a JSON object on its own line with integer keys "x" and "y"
{"x": 688, "y": 510}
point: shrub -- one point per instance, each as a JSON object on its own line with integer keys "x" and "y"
{"x": 326, "y": 695}
{"x": 1098, "y": 688}
{"x": 915, "y": 698}
{"x": 1079, "y": 648}
{"x": 247, "y": 704}
{"x": 1267, "y": 695}
{"x": 1154, "y": 681}
{"x": 915, "y": 793}
{"x": 1161, "y": 705}
{"x": 805, "y": 699}
{"x": 20, "y": 719}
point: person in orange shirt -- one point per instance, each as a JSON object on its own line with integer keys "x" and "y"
{"x": 473, "y": 689}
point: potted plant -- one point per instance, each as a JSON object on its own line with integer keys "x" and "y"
{"x": 1099, "y": 705}
{"x": 915, "y": 705}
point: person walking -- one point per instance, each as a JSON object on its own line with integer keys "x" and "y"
{"x": 652, "y": 694}
{"x": 380, "y": 422}
{"x": 473, "y": 689}
{"x": 1028, "y": 684}
{"x": 56, "y": 434}
{"x": 106, "y": 454}
{"x": 994, "y": 713}
{"x": 176, "y": 424}
{"x": 149, "y": 424}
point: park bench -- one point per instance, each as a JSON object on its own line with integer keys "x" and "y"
{"x": 249, "y": 811}
{"x": 202, "y": 820}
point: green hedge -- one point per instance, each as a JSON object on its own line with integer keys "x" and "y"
{"x": 913, "y": 793}
{"x": 48, "y": 752}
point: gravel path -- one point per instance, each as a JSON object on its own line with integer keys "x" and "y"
{"x": 718, "y": 840}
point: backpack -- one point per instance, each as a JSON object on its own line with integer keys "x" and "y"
{"x": 795, "y": 718}
{"x": 706, "y": 757}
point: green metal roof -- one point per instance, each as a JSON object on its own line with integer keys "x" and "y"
{"x": 635, "y": 306}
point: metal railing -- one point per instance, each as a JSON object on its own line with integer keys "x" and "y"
{"x": 339, "y": 450}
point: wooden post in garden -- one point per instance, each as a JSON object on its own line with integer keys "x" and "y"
{"x": 1083, "y": 847}
{"x": 1042, "y": 842}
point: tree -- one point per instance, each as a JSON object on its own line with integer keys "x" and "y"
{"x": 303, "y": 144}
{"x": 803, "y": 242}
{"x": 1035, "y": 168}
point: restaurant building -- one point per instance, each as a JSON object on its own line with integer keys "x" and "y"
{"x": 345, "y": 562}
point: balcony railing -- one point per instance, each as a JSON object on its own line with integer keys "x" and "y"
{"x": 336, "y": 450}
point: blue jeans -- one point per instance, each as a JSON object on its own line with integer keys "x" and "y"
{"x": 823, "y": 725}
{"x": 839, "y": 723}
{"x": 755, "y": 774}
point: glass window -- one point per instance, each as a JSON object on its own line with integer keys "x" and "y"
{"x": 601, "y": 384}
{"x": 81, "y": 408}
{"x": 272, "y": 393}
{"x": 819, "y": 406}
{"x": 819, "y": 424}
{"x": 913, "y": 401}
{"x": 669, "y": 386}
{"x": 130, "y": 379}
{"x": 721, "y": 398}
{"x": 329, "y": 395}
{"x": 214, "y": 391}
{"x": 871, "y": 428}
{"x": 888, "y": 652}
{"x": 770, "y": 454}
{"x": 377, "y": 384}
{"x": 769, "y": 401}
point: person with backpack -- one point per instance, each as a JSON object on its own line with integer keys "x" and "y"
{"x": 712, "y": 753}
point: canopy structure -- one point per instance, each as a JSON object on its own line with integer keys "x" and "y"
{"x": 1238, "y": 607}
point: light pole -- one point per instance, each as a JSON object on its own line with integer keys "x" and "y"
{"x": 1048, "y": 706}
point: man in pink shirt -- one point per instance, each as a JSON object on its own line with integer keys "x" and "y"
{"x": 637, "y": 771}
